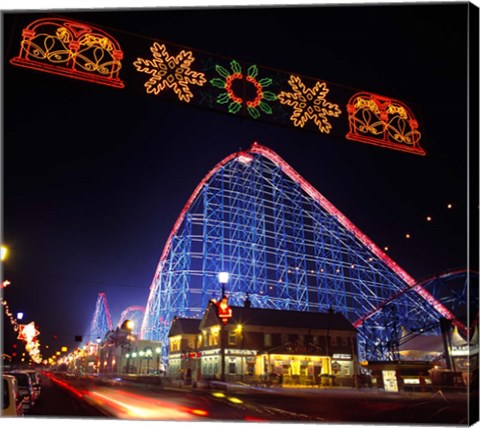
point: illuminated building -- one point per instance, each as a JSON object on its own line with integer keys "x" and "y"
{"x": 264, "y": 346}
{"x": 183, "y": 344}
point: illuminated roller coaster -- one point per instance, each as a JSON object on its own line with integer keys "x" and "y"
{"x": 286, "y": 247}
{"x": 101, "y": 321}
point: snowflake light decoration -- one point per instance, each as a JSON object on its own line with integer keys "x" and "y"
{"x": 235, "y": 101}
{"x": 170, "y": 71}
{"x": 309, "y": 104}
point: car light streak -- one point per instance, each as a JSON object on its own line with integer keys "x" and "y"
{"x": 127, "y": 405}
{"x": 65, "y": 385}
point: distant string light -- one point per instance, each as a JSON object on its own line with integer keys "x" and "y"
{"x": 428, "y": 218}
{"x": 27, "y": 333}
{"x": 9, "y": 314}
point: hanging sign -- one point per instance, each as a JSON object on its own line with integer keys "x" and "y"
{"x": 82, "y": 51}
{"x": 224, "y": 311}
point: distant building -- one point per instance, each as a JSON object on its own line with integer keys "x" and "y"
{"x": 122, "y": 352}
{"x": 183, "y": 350}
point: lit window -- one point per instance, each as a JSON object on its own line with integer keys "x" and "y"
{"x": 232, "y": 338}
{"x": 267, "y": 339}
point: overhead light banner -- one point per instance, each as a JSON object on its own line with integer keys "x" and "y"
{"x": 168, "y": 71}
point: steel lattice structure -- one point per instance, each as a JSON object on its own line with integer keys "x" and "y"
{"x": 456, "y": 290}
{"x": 285, "y": 245}
{"x": 101, "y": 322}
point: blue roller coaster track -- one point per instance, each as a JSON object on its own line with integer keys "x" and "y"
{"x": 289, "y": 248}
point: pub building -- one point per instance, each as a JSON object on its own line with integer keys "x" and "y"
{"x": 264, "y": 346}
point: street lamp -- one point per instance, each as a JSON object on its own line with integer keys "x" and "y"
{"x": 223, "y": 279}
{"x": 127, "y": 356}
{"x": 141, "y": 354}
{"x": 158, "y": 350}
{"x": 239, "y": 330}
{"x": 134, "y": 356}
{"x": 4, "y": 252}
{"x": 127, "y": 328}
{"x": 148, "y": 354}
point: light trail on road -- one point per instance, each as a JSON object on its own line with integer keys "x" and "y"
{"x": 128, "y": 405}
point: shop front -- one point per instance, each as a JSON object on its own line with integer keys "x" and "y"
{"x": 296, "y": 370}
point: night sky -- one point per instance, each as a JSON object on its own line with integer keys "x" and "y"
{"x": 95, "y": 177}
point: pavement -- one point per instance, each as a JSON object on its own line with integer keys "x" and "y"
{"x": 434, "y": 393}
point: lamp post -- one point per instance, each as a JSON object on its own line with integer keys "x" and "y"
{"x": 239, "y": 330}
{"x": 127, "y": 356}
{"x": 148, "y": 354}
{"x": 223, "y": 279}
{"x": 158, "y": 350}
{"x": 134, "y": 356}
{"x": 126, "y": 329}
{"x": 142, "y": 354}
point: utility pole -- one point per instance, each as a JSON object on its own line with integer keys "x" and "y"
{"x": 445, "y": 327}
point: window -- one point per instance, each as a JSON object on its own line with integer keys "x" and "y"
{"x": 333, "y": 340}
{"x": 344, "y": 341}
{"x": 232, "y": 337}
{"x": 231, "y": 368}
{"x": 213, "y": 337}
{"x": 267, "y": 339}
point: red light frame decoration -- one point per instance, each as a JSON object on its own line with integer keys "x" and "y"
{"x": 384, "y": 122}
{"x": 71, "y": 49}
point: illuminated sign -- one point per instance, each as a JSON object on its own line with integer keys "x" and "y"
{"x": 390, "y": 380}
{"x": 463, "y": 351}
{"x": 342, "y": 356}
{"x": 82, "y": 51}
{"x": 224, "y": 311}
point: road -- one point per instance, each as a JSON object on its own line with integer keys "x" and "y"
{"x": 84, "y": 397}
{"x": 56, "y": 400}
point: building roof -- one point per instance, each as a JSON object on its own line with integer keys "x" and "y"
{"x": 184, "y": 326}
{"x": 288, "y": 319}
